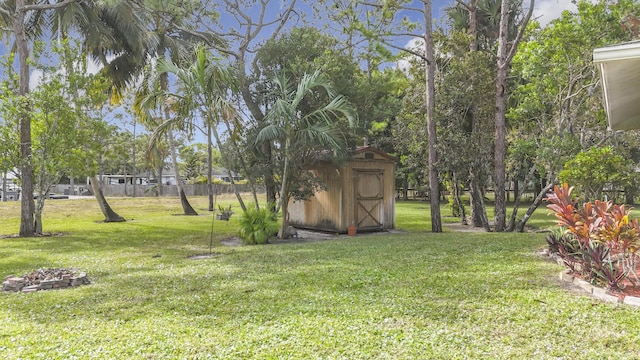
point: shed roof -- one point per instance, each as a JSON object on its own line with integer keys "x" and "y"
{"x": 368, "y": 148}
{"x": 619, "y": 67}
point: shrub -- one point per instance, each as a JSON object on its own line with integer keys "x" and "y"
{"x": 596, "y": 169}
{"x": 599, "y": 228}
{"x": 257, "y": 226}
{"x": 567, "y": 247}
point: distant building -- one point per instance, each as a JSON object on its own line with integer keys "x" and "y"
{"x": 223, "y": 174}
{"x": 116, "y": 179}
{"x": 10, "y": 183}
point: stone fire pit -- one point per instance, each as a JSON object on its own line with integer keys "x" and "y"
{"x": 45, "y": 279}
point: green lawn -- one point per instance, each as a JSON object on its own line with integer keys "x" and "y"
{"x": 415, "y": 295}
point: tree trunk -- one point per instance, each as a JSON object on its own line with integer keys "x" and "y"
{"x": 284, "y": 194}
{"x": 504, "y": 56}
{"x": 160, "y": 183}
{"x": 227, "y": 164}
{"x": 473, "y": 24}
{"x": 187, "y": 209}
{"x": 256, "y": 111}
{"x": 4, "y": 186}
{"x": 135, "y": 168}
{"x": 500, "y": 121}
{"x": 405, "y": 187}
{"x": 210, "y": 167}
{"x": 38, "y": 213}
{"x": 124, "y": 173}
{"x": 534, "y": 206}
{"x": 458, "y": 200}
{"x": 629, "y": 195}
{"x": 476, "y": 201}
{"x": 434, "y": 193}
{"x": 27, "y": 205}
{"x": 270, "y": 184}
{"x": 518, "y": 196}
{"x": 243, "y": 164}
{"x": 479, "y": 210}
{"x": 109, "y": 214}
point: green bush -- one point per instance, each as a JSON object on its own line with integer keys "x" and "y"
{"x": 257, "y": 226}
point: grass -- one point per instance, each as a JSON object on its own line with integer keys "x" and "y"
{"x": 400, "y": 296}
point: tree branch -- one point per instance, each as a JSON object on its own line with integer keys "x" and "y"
{"x": 405, "y": 34}
{"x": 463, "y": 4}
{"x": 5, "y": 11}
{"x": 407, "y": 50}
{"x": 379, "y": 6}
{"x": 523, "y": 26}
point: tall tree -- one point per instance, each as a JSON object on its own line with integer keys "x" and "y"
{"x": 391, "y": 14}
{"x": 200, "y": 93}
{"x": 250, "y": 24}
{"x": 27, "y": 20}
{"x": 302, "y": 134}
{"x": 176, "y": 34}
{"x": 505, "y": 53}
{"x": 557, "y": 96}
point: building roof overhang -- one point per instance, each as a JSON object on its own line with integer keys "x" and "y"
{"x": 619, "y": 67}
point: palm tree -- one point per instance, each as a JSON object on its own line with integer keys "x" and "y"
{"x": 301, "y": 135}
{"x": 175, "y": 38}
{"x": 98, "y": 23}
{"x": 201, "y": 90}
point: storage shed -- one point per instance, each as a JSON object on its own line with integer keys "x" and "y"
{"x": 360, "y": 193}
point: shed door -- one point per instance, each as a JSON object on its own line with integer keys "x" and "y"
{"x": 369, "y": 199}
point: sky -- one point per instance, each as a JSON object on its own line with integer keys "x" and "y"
{"x": 544, "y": 12}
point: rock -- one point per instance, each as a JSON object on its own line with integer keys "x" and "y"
{"x": 632, "y": 300}
{"x": 602, "y": 294}
{"x": 584, "y": 285}
{"x": 30, "y": 288}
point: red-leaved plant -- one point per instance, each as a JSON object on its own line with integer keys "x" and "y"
{"x": 599, "y": 224}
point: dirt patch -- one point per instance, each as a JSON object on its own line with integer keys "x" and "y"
{"x": 202, "y": 256}
{"x": 304, "y": 236}
{"x": 457, "y": 227}
{"x": 16, "y": 236}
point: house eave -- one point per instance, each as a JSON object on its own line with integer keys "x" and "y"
{"x": 619, "y": 67}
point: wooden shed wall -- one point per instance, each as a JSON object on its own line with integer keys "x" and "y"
{"x": 336, "y": 207}
{"x": 323, "y": 210}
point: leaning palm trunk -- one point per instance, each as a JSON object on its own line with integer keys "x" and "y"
{"x": 186, "y": 206}
{"x": 210, "y": 168}
{"x": 534, "y": 206}
{"x": 252, "y": 184}
{"x": 517, "y": 197}
{"x": 284, "y": 194}
{"x": 227, "y": 164}
{"x": 109, "y": 214}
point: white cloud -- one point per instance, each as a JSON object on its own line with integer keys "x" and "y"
{"x": 547, "y": 10}
{"x": 416, "y": 44}
{"x": 37, "y": 76}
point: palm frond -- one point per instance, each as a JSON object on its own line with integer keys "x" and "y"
{"x": 339, "y": 106}
{"x": 269, "y": 133}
